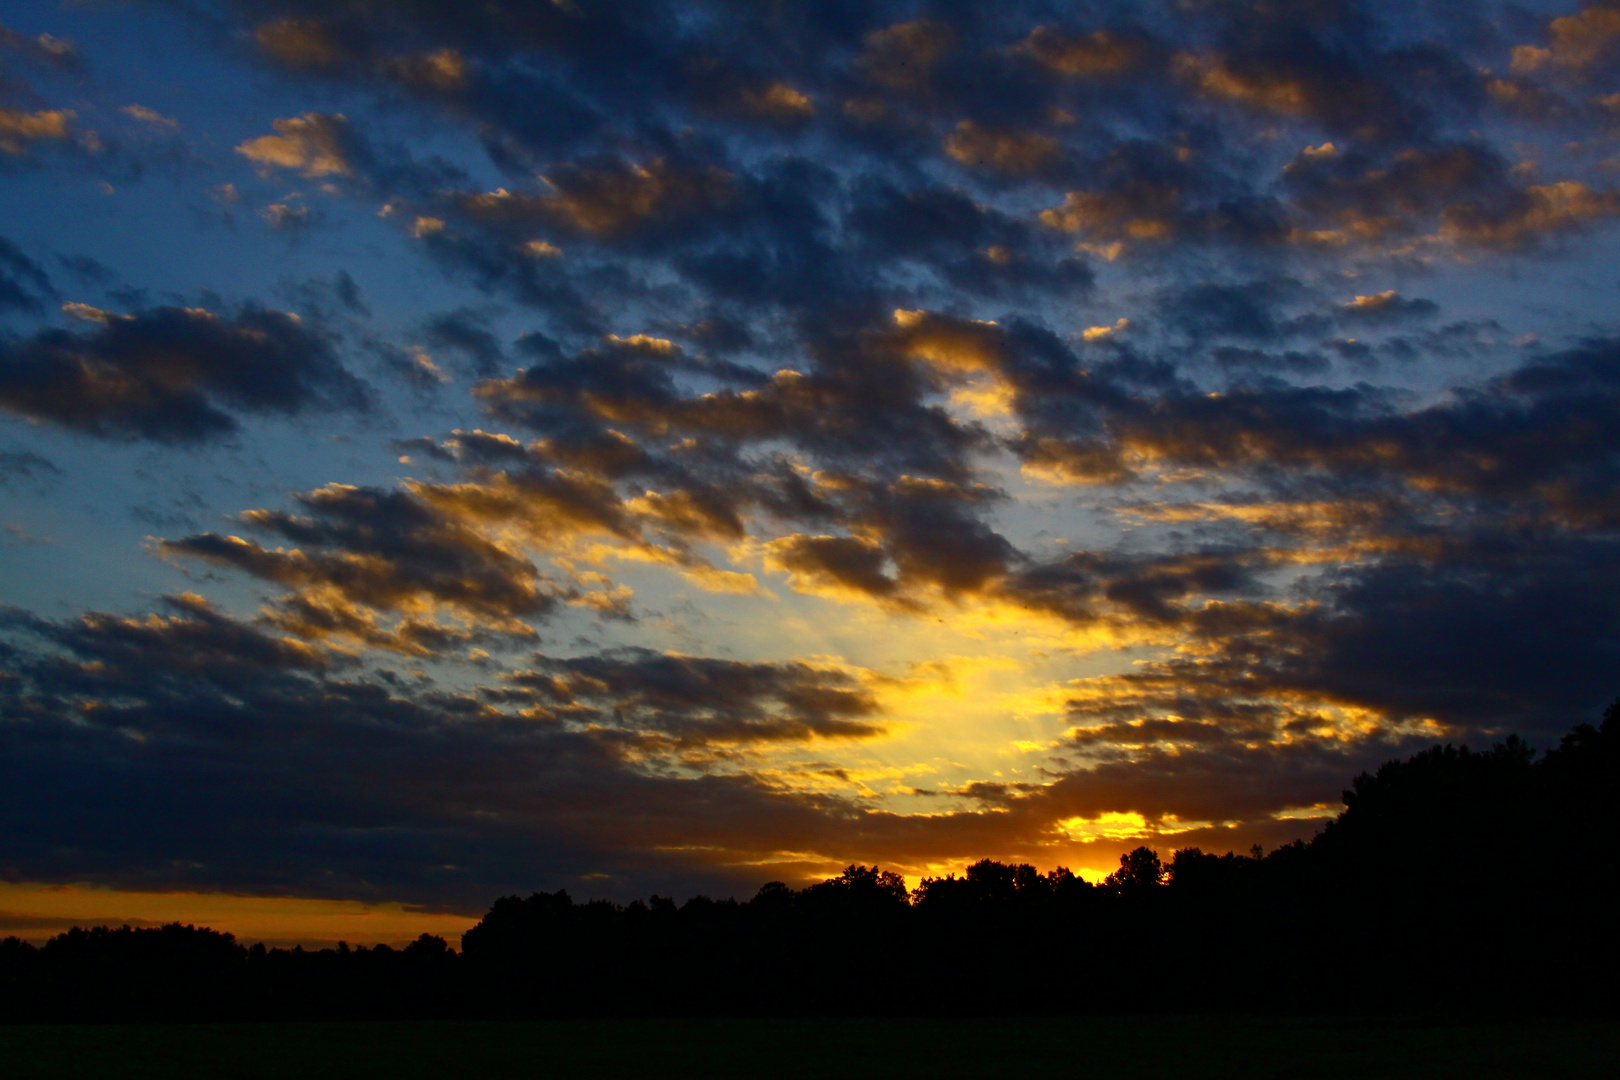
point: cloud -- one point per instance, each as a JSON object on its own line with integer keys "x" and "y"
{"x": 387, "y": 550}
{"x": 1513, "y": 437}
{"x": 969, "y": 245}
{"x": 26, "y": 466}
{"x": 847, "y": 408}
{"x": 688, "y": 703}
{"x": 1014, "y": 152}
{"x": 1097, "y": 54}
{"x": 305, "y": 43}
{"x": 1245, "y": 310}
{"x": 1538, "y": 211}
{"x": 1173, "y": 789}
{"x": 328, "y": 615}
{"x": 89, "y": 271}
{"x": 725, "y": 87}
{"x": 288, "y": 218}
{"x": 24, "y": 285}
{"x": 1335, "y": 67}
{"x": 19, "y": 130}
{"x": 1438, "y": 643}
{"x": 196, "y": 642}
{"x": 909, "y": 537}
{"x": 316, "y": 761}
{"x": 315, "y": 144}
{"x": 842, "y": 563}
{"x": 779, "y": 104}
{"x": 1464, "y": 192}
{"x": 463, "y": 331}
{"x": 169, "y": 374}
{"x": 150, "y": 116}
{"x": 610, "y": 197}
{"x": 901, "y": 56}
{"x": 44, "y": 49}
{"x": 249, "y": 765}
{"x": 1088, "y": 587}
{"x": 1577, "y": 43}
{"x": 1157, "y": 193}
{"x": 1387, "y": 306}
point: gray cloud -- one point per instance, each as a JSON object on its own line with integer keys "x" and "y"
{"x": 170, "y": 374}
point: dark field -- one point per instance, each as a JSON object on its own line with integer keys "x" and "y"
{"x": 1171, "y": 1047}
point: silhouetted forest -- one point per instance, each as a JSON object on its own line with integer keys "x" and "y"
{"x": 1453, "y": 881}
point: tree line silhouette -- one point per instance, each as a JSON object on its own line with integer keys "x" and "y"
{"x": 1453, "y": 880}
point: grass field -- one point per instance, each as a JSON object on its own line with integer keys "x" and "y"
{"x": 1168, "y": 1047}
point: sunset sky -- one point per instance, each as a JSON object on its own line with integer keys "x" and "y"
{"x": 450, "y": 450}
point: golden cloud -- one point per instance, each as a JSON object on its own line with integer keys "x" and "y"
{"x": 777, "y": 103}
{"x": 953, "y": 345}
{"x": 314, "y": 144}
{"x": 1148, "y": 212}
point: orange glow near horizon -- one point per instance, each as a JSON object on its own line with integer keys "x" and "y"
{"x": 35, "y": 912}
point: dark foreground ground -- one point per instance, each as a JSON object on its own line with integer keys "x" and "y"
{"x": 1111, "y": 1047}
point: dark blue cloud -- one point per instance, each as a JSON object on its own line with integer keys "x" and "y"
{"x": 171, "y": 374}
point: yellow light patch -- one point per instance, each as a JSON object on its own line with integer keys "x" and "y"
{"x": 987, "y": 398}
{"x": 1314, "y": 812}
{"x": 1108, "y": 826}
{"x": 1099, "y": 333}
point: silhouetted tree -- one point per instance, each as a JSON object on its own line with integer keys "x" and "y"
{"x": 1138, "y": 869}
{"x": 1453, "y": 879}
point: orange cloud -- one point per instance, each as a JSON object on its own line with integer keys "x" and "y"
{"x": 299, "y": 43}
{"x": 951, "y": 344}
{"x": 778, "y": 103}
{"x": 610, "y": 198}
{"x": 315, "y": 144}
{"x": 18, "y": 128}
{"x": 1144, "y": 212}
{"x": 1014, "y": 152}
{"x": 901, "y": 56}
{"x": 1099, "y": 54}
{"x": 1577, "y": 42}
{"x": 1541, "y": 211}
{"x": 1268, "y": 91}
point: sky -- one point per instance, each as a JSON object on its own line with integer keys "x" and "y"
{"x": 640, "y": 447}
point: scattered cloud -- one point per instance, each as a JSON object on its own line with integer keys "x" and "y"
{"x": 171, "y": 374}
{"x": 315, "y": 144}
